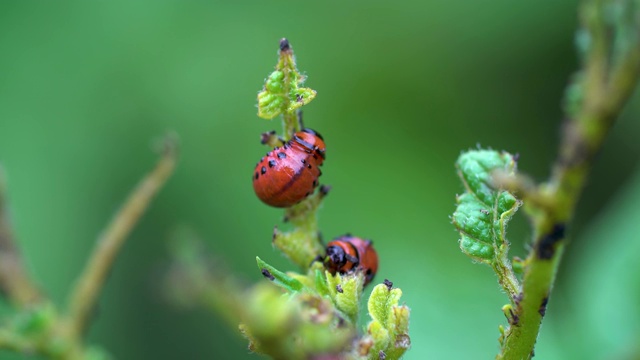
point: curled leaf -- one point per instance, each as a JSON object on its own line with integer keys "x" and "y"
{"x": 282, "y": 92}
{"x": 484, "y": 211}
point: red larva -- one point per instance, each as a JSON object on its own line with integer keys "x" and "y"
{"x": 349, "y": 253}
{"x": 290, "y": 173}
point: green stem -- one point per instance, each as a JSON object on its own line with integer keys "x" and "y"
{"x": 506, "y": 277}
{"x": 605, "y": 92}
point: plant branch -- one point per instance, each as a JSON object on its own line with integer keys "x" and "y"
{"x": 85, "y": 294}
{"x": 605, "y": 93}
{"x": 14, "y": 280}
{"x": 10, "y": 341}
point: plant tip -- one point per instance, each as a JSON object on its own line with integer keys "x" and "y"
{"x": 284, "y": 44}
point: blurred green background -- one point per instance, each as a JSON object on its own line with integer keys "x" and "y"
{"x": 403, "y": 87}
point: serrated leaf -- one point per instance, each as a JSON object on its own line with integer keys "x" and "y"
{"x": 389, "y": 327}
{"x": 348, "y": 299}
{"x": 279, "y": 278}
{"x": 483, "y": 212}
{"x": 282, "y": 91}
{"x": 381, "y": 303}
{"x": 475, "y": 168}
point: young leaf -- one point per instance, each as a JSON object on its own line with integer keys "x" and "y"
{"x": 346, "y": 291}
{"x": 389, "y": 326}
{"x": 484, "y": 211}
{"x": 278, "y": 277}
{"x": 282, "y": 92}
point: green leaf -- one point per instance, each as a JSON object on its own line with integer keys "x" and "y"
{"x": 381, "y": 302}
{"x": 321, "y": 283}
{"x": 346, "y": 291}
{"x": 279, "y": 278}
{"x": 483, "y": 211}
{"x": 389, "y": 326}
{"x": 282, "y": 91}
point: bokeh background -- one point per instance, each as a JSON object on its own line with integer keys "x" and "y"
{"x": 403, "y": 87}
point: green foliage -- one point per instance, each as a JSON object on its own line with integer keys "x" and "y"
{"x": 282, "y": 92}
{"x": 389, "y": 326}
{"x": 119, "y": 73}
{"x": 278, "y": 277}
{"x": 308, "y": 315}
{"x": 346, "y": 290}
{"x": 609, "y": 44}
{"x": 483, "y": 211}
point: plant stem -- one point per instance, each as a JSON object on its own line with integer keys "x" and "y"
{"x": 14, "y": 280}
{"x": 506, "y": 277}
{"x": 605, "y": 93}
{"x": 86, "y": 291}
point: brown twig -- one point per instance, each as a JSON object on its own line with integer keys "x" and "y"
{"x": 14, "y": 280}
{"x": 87, "y": 289}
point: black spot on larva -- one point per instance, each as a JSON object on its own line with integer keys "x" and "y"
{"x": 272, "y": 163}
{"x": 257, "y": 175}
{"x": 282, "y": 155}
{"x": 386, "y": 282}
{"x": 268, "y": 274}
{"x": 309, "y": 166}
{"x": 307, "y": 194}
{"x": 315, "y": 182}
{"x": 315, "y": 156}
{"x": 546, "y": 246}
{"x": 263, "y": 170}
{"x": 339, "y": 288}
{"x": 304, "y": 161}
{"x": 324, "y": 189}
